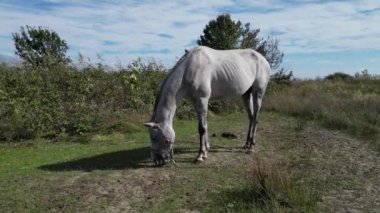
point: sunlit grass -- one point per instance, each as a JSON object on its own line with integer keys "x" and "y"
{"x": 351, "y": 106}
{"x": 269, "y": 187}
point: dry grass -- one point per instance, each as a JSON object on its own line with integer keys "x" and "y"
{"x": 271, "y": 187}
{"x": 352, "y": 106}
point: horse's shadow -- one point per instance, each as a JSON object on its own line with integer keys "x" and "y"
{"x": 120, "y": 160}
{"x": 125, "y": 159}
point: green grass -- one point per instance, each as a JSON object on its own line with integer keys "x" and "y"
{"x": 21, "y": 159}
{"x": 292, "y": 171}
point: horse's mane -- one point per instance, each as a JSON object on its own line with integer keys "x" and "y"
{"x": 164, "y": 82}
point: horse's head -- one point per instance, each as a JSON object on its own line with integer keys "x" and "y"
{"x": 161, "y": 139}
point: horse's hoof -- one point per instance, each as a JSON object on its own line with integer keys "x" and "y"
{"x": 249, "y": 151}
{"x": 199, "y": 160}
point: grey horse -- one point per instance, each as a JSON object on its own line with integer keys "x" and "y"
{"x": 200, "y": 75}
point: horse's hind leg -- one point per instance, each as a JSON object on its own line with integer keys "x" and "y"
{"x": 252, "y": 101}
{"x": 248, "y": 103}
{"x": 257, "y": 97}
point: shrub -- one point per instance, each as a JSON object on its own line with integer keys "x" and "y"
{"x": 37, "y": 102}
{"x": 339, "y": 76}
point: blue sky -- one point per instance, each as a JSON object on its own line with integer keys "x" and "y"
{"x": 318, "y": 37}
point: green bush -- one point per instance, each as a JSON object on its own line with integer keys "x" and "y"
{"x": 339, "y": 76}
{"x": 65, "y": 101}
{"x": 36, "y": 102}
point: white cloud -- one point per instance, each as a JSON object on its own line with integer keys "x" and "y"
{"x": 314, "y": 26}
{"x": 321, "y": 27}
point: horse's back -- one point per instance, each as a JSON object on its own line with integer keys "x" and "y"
{"x": 220, "y": 73}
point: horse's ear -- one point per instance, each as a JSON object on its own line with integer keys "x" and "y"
{"x": 151, "y": 125}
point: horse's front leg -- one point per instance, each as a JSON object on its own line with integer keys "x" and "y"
{"x": 201, "y": 107}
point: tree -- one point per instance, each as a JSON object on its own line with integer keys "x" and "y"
{"x": 40, "y": 46}
{"x": 250, "y": 38}
{"x": 224, "y": 33}
{"x": 270, "y": 50}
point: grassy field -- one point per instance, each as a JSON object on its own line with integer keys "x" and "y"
{"x": 351, "y": 106}
{"x": 298, "y": 167}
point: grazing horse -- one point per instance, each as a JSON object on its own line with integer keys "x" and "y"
{"x": 200, "y": 75}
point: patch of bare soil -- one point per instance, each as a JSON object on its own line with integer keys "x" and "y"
{"x": 121, "y": 191}
{"x": 349, "y": 169}
{"x": 345, "y": 170}
{"x": 139, "y": 189}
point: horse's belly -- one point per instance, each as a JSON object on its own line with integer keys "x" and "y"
{"x": 229, "y": 87}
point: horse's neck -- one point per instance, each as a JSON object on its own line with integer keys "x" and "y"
{"x": 170, "y": 97}
{"x": 165, "y": 111}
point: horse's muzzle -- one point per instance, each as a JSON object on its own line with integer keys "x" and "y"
{"x": 160, "y": 160}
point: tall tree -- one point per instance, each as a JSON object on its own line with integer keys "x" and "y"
{"x": 40, "y": 46}
{"x": 224, "y": 33}
{"x": 250, "y": 38}
{"x": 270, "y": 50}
